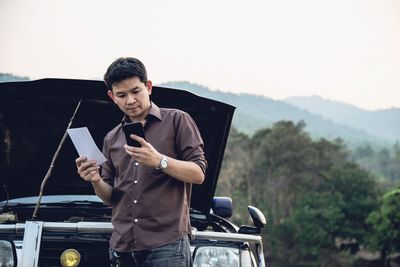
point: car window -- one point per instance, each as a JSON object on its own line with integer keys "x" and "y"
{"x": 211, "y": 256}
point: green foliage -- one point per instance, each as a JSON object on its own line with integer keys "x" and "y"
{"x": 359, "y": 197}
{"x": 338, "y": 209}
{"x": 385, "y": 224}
{"x": 233, "y": 180}
{"x": 383, "y": 162}
{"x": 309, "y": 191}
{"x": 286, "y": 163}
{"x": 316, "y": 221}
{"x": 281, "y": 159}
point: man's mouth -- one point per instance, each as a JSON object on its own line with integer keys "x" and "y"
{"x": 131, "y": 108}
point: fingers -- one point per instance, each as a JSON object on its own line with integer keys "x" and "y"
{"x": 86, "y": 168}
{"x": 128, "y": 149}
{"x": 146, "y": 155}
{"x": 89, "y": 171}
{"x": 79, "y": 161}
{"x": 135, "y": 151}
{"x": 141, "y": 140}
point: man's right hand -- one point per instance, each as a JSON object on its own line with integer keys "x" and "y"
{"x": 88, "y": 169}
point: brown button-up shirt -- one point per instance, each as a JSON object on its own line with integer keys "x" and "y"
{"x": 150, "y": 208}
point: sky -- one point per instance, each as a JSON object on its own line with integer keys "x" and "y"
{"x": 344, "y": 50}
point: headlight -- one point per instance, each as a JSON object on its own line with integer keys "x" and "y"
{"x": 8, "y": 256}
{"x": 70, "y": 258}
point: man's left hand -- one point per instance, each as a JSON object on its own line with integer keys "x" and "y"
{"x": 146, "y": 155}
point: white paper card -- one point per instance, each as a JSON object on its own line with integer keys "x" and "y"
{"x": 85, "y": 145}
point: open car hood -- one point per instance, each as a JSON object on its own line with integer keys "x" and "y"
{"x": 34, "y": 116}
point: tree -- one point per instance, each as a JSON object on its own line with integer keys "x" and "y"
{"x": 385, "y": 224}
{"x": 307, "y": 188}
{"x": 394, "y": 166}
{"x": 337, "y": 209}
{"x": 280, "y": 161}
{"x": 316, "y": 222}
{"x": 233, "y": 180}
{"x": 358, "y": 192}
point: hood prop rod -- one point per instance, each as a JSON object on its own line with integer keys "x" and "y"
{"x": 54, "y": 160}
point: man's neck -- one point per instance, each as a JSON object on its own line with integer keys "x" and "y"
{"x": 142, "y": 118}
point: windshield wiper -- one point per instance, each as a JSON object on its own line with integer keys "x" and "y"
{"x": 78, "y": 202}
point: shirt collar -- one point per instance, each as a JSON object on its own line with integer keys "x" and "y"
{"x": 154, "y": 112}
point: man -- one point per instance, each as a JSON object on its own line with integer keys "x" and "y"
{"x": 148, "y": 187}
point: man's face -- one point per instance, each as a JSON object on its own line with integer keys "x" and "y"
{"x": 132, "y": 97}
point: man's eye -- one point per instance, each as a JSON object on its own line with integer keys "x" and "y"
{"x": 120, "y": 95}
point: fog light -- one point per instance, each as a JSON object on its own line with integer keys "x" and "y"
{"x": 70, "y": 258}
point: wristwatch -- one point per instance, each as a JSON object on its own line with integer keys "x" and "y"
{"x": 163, "y": 163}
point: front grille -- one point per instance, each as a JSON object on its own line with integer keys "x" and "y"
{"x": 93, "y": 250}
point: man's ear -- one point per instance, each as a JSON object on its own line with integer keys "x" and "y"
{"x": 111, "y": 95}
{"x": 149, "y": 86}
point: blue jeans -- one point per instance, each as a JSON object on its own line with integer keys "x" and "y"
{"x": 176, "y": 254}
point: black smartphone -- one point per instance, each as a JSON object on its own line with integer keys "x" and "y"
{"x": 133, "y": 128}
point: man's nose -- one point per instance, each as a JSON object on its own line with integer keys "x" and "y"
{"x": 131, "y": 99}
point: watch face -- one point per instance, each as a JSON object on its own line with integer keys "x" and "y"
{"x": 164, "y": 164}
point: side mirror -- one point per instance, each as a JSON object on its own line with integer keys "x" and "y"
{"x": 259, "y": 222}
{"x": 222, "y": 206}
{"x": 8, "y": 253}
{"x": 257, "y": 216}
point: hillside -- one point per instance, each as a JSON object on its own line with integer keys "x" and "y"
{"x": 384, "y": 124}
{"x": 8, "y": 77}
{"x": 256, "y": 112}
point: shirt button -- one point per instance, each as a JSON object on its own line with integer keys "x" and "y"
{"x": 136, "y": 163}
{"x": 136, "y": 220}
{"x": 135, "y": 182}
{"x": 135, "y": 201}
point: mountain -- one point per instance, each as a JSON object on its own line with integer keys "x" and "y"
{"x": 327, "y": 119}
{"x": 255, "y": 112}
{"x": 384, "y": 124}
{"x": 8, "y": 77}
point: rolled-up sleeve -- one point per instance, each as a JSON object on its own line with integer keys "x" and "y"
{"x": 189, "y": 142}
{"x": 107, "y": 171}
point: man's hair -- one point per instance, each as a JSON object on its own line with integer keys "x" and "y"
{"x": 123, "y": 68}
